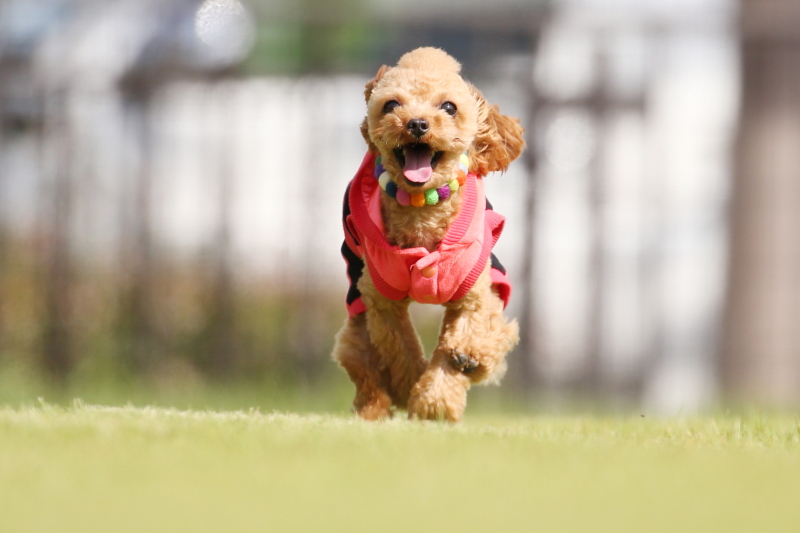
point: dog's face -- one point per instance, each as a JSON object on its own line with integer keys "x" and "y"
{"x": 422, "y": 115}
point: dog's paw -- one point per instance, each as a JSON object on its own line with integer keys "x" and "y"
{"x": 374, "y": 412}
{"x": 440, "y": 394}
{"x": 462, "y": 362}
{"x": 373, "y": 404}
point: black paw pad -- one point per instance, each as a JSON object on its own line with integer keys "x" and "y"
{"x": 463, "y": 362}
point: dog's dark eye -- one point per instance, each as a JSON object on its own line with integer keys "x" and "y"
{"x": 390, "y": 106}
{"x": 449, "y": 108}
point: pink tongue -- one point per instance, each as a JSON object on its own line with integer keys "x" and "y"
{"x": 418, "y": 164}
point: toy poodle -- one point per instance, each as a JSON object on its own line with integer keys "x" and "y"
{"x": 416, "y": 215}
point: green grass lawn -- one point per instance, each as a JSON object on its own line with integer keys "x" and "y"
{"x": 101, "y": 469}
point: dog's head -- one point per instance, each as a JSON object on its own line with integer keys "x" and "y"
{"x": 422, "y": 115}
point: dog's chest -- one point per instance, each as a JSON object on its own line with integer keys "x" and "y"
{"x": 421, "y": 227}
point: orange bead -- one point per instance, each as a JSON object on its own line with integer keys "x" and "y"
{"x": 462, "y": 178}
{"x": 418, "y": 200}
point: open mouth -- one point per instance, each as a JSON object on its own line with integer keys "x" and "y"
{"x": 418, "y": 162}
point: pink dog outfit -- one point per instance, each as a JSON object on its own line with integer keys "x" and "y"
{"x": 443, "y": 275}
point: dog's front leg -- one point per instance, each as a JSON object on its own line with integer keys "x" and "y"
{"x": 474, "y": 340}
{"x": 356, "y": 354}
{"x": 394, "y": 339}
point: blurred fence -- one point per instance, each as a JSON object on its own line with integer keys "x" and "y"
{"x": 198, "y": 224}
{"x": 169, "y": 216}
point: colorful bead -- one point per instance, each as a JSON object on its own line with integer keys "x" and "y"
{"x": 463, "y": 163}
{"x": 431, "y": 197}
{"x": 391, "y": 189}
{"x": 378, "y": 160}
{"x": 403, "y": 198}
{"x": 384, "y": 180}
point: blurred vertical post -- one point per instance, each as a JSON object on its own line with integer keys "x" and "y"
{"x": 308, "y": 327}
{"x": 9, "y": 72}
{"x": 525, "y": 376}
{"x": 760, "y": 357}
{"x": 220, "y": 358}
{"x": 3, "y": 244}
{"x": 134, "y": 320}
{"x": 57, "y": 358}
{"x": 593, "y": 379}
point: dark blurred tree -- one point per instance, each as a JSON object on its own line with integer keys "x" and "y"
{"x": 329, "y": 30}
{"x": 315, "y": 36}
{"x": 760, "y": 356}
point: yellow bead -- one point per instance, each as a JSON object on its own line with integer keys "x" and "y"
{"x": 454, "y": 186}
{"x": 464, "y": 159}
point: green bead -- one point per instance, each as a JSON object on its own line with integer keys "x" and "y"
{"x": 431, "y": 197}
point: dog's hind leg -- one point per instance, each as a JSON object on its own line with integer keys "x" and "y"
{"x": 355, "y": 353}
{"x": 392, "y": 334}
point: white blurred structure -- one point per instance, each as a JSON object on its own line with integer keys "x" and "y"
{"x": 631, "y": 122}
{"x": 635, "y": 127}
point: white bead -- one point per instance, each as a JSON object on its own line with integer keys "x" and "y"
{"x": 383, "y": 180}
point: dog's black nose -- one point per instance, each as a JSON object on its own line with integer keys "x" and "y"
{"x": 417, "y": 126}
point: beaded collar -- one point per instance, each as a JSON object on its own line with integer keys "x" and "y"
{"x": 429, "y": 197}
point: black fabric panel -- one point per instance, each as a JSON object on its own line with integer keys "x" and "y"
{"x": 355, "y": 267}
{"x": 497, "y": 265}
{"x": 346, "y": 203}
{"x": 346, "y": 213}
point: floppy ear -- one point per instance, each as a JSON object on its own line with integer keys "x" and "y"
{"x": 367, "y": 93}
{"x": 499, "y": 140}
{"x": 371, "y": 83}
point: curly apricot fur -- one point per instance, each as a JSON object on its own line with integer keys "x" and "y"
{"x": 380, "y": 349}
